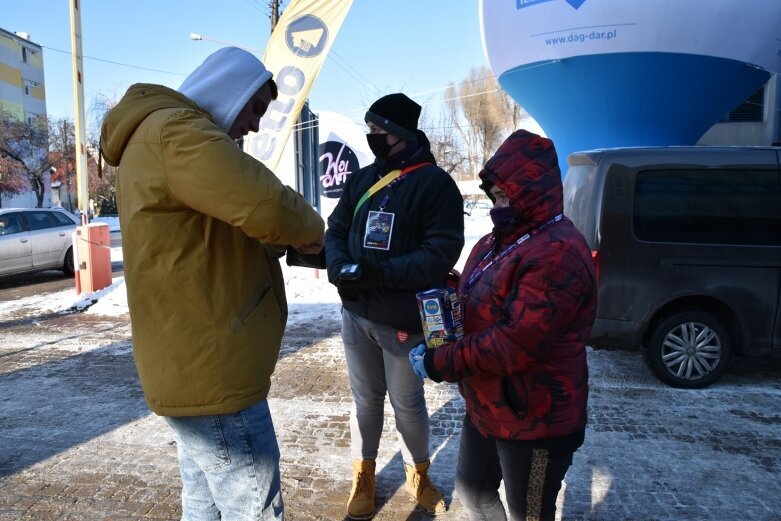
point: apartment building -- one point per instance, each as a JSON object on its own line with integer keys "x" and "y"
{"x": 22, "y": 91}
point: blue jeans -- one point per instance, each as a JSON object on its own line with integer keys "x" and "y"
{"x": 229, "y": 465}
{"x": 532, "y": 477}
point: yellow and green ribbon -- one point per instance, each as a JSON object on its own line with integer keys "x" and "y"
{"x": 382, "y": 183}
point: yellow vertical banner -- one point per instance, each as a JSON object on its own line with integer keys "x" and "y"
{"x": 295, "y": 54}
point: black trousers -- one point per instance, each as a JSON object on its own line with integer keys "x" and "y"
{"x": 532, "y": 477}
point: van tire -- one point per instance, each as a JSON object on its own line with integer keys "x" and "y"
{"x": 67, "y": 263}
{"x": 671, "y": 355}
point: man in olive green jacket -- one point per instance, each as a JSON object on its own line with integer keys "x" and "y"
{"x": 202, "y": 226}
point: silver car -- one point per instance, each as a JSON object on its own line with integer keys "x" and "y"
{"x": 36, "y": 239}
{"x": 480, "y": 208}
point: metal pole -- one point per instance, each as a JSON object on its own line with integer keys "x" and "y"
{"x": 67, "y": 164}
{"x": 274, "y": 13}
{"x": 79, "y": 119}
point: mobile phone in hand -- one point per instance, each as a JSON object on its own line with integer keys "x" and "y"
{"x": 349, "y": 272}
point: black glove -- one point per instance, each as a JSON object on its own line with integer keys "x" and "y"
{"x": 369, "y": 276}
{"x": 306, "y": 260}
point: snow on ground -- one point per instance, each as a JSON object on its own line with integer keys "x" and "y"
{"x": 110, "y": 301}
{"x": 304, "y": 286}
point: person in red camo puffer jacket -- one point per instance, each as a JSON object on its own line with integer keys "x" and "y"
{"x": 529, "y": 297}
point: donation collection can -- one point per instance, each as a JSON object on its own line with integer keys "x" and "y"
{"x": 440, "y": 314}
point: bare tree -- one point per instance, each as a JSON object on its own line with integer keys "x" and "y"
{"x": 445, "y": 145}
{"x": 459, "y": 129}
{"x": 99, "y": 107}
{"x": 102, "y": 182}
{"x": 62, "y": 151}
{"x": 481, "y": 104}
{"x": 62, "y": 154}
{"x": 102, "y": 178}
{"x": 512, "y": 110}
{"x": 481, "y": 115}
{"x": 31, "y": 151}
{"x": 24, "y": 149}
{"x": 12, "y": 179}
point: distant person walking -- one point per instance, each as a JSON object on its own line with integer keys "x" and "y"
{"x": 529, "y": 297}
{"x": 203, "y": 224}
{"x": 397, "y": 229}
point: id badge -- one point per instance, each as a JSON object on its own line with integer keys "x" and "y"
{"x": 379, "y": 229}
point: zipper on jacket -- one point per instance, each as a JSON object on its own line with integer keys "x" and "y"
{"x": 517, "y": 403}
{"x": 237, "y": 324}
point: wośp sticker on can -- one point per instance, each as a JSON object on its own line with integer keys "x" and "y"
{"x": 440, "y": 315}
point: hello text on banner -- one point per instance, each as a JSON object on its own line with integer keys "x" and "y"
{"x": 295, "y": 54}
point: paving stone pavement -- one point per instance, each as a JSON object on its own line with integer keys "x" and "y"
{"x": 78, "y": 443}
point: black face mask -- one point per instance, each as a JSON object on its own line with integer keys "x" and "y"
{"x": 378, "y": 143}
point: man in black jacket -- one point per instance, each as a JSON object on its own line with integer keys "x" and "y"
{"x": 398, "y": 229}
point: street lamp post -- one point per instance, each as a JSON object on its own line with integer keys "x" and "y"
{"x": 79, "y": 120}
{"x": 91, "y": 250}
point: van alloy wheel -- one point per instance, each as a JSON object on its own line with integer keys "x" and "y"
{"x": 689, "y": 349}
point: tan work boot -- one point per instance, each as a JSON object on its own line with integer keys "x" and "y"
{"x": 418, "y": 484}
{"x": 361, "y": 502}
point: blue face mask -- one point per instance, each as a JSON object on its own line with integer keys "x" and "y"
{"x": 502, "y": 217}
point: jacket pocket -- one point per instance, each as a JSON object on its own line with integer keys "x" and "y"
{"x": 239, "y": 321}
{"x": 515, "y": 395}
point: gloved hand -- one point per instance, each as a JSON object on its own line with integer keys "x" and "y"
{"x": 416, "y": 360}
{"x": 369, "y": 276}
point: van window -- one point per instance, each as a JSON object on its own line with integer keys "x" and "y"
{"x": 708, "y": 206}
{"x": 582, "y": 196}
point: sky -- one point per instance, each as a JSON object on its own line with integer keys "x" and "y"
{"x": 414, "y": 46}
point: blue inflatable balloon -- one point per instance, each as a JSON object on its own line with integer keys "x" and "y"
{"x": 607, "y": 73}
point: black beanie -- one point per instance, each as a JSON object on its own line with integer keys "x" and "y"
{"x": 397, "y": 114}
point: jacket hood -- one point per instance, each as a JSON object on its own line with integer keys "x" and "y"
{"x": 526, "y": 168}
{"x": 139, "y": 101}
{"x": 224, "y": 83}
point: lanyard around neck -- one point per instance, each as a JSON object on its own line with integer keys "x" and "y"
{"x": 382, "y": 183}
{"x": 482, "y": 266}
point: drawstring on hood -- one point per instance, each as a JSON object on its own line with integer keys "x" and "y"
{"x": 224, "y": 83}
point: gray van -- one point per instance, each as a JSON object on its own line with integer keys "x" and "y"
{"x": 687, "y": 242}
